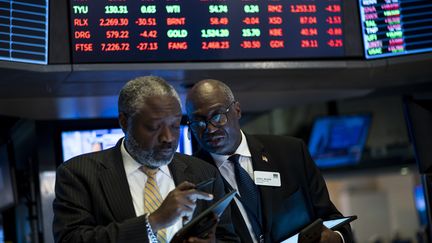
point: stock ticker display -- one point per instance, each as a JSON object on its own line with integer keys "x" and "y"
{"x": 105, "y": 31}
{"x": 396, "y": 27}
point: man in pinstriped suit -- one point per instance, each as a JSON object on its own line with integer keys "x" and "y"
{"x": 99, "y": 196}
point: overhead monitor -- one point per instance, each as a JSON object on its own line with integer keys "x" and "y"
{"x": 85, "y": 141}
{"x": 338, "y": 140}
{"x": 106, "y": 31}
{"x": 24, "y": 31}
{"x": 396, "y": 27}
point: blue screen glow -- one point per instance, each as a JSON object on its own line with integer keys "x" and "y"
{"x": 338, "y": 140}
{"x": 85, "y": 141}
{"x": 420, "y": 204}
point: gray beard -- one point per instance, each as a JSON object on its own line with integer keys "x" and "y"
{"x": 141, "y": 156}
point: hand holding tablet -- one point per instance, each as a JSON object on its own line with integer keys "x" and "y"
{"x": 201, "y": 224}
{"x": 309, "y": 233}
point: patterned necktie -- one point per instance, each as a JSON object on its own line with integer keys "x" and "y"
{"x": 153, "y": 198}
{"x": 249, "y": 194}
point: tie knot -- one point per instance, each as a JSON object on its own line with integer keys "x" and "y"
{"x": 149, "y": 172}
{"x": 234, "y": 158}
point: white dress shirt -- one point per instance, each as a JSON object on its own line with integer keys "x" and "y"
{"x": 226, "y": 169}
{"x": 137, "y": 180}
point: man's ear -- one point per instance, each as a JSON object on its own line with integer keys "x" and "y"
{"x": 237, "y": 109}
{"x": 123, "y": 121}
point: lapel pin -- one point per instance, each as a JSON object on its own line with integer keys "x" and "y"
{"x": 263, "y": 157}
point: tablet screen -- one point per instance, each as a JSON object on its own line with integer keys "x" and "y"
{"x": 201, "y": 222}
{"x": 331, "y": 224}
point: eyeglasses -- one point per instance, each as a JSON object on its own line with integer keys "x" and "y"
{"x": 217, "y": 120}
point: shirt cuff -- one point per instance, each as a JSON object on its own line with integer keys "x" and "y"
{"x": 343, "y": 241}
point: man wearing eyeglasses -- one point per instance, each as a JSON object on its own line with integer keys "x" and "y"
{"x": 281, "y": 189}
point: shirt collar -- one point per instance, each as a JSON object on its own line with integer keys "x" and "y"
{"x": 131, "y": 165}
{"x": 242, "y": 150}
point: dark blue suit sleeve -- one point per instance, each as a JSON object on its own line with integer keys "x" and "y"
{"x": 322, "y": 204}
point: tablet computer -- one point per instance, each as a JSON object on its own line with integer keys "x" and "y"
{"x": 333, "y": 224}
{"x": 201, "y": 224}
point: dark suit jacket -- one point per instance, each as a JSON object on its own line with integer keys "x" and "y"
{"x": 93, "y": 202}
{"x": 302, "y": 197}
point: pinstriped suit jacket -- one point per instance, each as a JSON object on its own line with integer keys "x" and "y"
{"x": 93, "y": 202}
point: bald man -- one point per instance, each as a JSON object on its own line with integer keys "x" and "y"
{"x": 288, "y": 191}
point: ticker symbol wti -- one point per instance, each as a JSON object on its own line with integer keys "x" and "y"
{"x": 78, "y": 9}
{"x": 173, "y": 8}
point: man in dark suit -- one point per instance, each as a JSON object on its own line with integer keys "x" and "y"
{"x": 140, "y": 190}
{"x": 275, "y": 171}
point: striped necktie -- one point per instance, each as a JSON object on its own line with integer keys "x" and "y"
{"x": 153, "y": 198}
{"x": 249, "y": 195}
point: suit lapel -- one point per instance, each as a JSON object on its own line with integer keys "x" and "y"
{"x": 204, "y": 155}
{"x": 115, "y": 185}
{"x": 178, "y": 169}
{"x": 262, "y": 161}
{"x": 236, "y": 216}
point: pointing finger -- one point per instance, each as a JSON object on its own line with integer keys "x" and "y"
{"x": 199, "y": 195}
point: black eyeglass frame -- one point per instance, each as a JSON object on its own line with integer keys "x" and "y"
{"x": 198, "y": 127}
